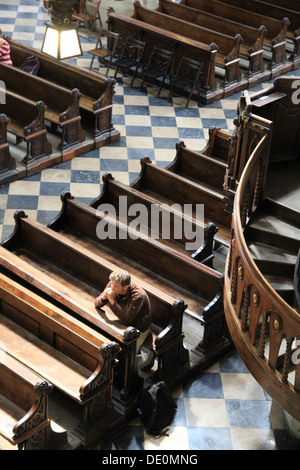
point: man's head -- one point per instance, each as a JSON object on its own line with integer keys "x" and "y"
{"x": 120, "y": 281}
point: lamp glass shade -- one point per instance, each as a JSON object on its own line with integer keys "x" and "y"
{"x": 61, "y": 42}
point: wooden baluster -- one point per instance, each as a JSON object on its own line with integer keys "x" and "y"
{"x": 258, "y": 185}
{"x": 231, "y": 249}
{"x": 245, "y": 308}
{"x": 234, "y": 282}
{"x": 263, "y": 335}
{"x": 245, "y": 205}
{"x": 287, "y": 360}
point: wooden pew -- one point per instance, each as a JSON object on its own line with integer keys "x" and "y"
{"x": 278, "y": 12}
{"x": 96, "y": 90}
{"x": 23, "y": 405}
{"x": 73, "y": 357}
{"x": 8, "y": 171}
{"x": 148, "y": 253}
{"x": 27, "y": 122}
{"x": 112, "y": 193}
{"x": 275, "y": 38}
{"x": 152, "y": 263}
{"x": 207, "y": 171}
{"x": 72, "y": 294}
{"x": 198, "y": 167}
{"x": 182, "y": 45}
{"x": 274, "y": 11}
{"x": 72, "y": 275}
{"x": 253, "y": 38}
{"x": 218, "y": 145}
{"x": 62, "y": 105}
{"x": 79, "y": 222}
{"x": 169, "y": 187}
{"x": 290, "y": 4}
{"x": 228, "y": 55}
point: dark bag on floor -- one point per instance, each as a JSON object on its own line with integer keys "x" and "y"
{"x": 31, "y": 65}
{"x": 157, "y": 409}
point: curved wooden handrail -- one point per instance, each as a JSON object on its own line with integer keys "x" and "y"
{"x": 264, "y": 328}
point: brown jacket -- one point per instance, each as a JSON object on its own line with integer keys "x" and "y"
{"x": 132, "y": 309}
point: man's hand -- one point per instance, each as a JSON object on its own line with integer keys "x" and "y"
{"x": 110, "y": 295}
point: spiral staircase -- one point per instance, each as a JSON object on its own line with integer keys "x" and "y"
{"x": 261, "y": 285}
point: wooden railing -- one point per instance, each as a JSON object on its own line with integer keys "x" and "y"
{"x": 264, "y": 328}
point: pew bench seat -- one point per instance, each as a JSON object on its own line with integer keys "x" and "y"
{"x": 16, "y": 128}
{"x": 61, "y": 371}
{"x": 23, "y": 404}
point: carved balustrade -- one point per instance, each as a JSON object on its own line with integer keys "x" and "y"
{"x": 264, "y": 328}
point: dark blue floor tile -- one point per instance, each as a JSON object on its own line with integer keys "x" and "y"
{"x": 118, "y": 99}
{"x": 214, "y": 104}
{"x": 53, "y": 189}
{"x": 113, "y": 164}
{"x": 206, "y": 386}
{"x": 186, "y": 112}
{"x": 119, "y": 143}
{"x": 45, "y": 217}
{"x": 230, "y": 113}
{"x": 232, "y": 363}
{"x": 207, "y": 123}
{"x": 7, "y": 20}
{"x": 137, "y": 110}
{"x": 6, "y": 231}
{"x": 162, "y": 164}
{"x": 9, "y": 7}
{"x": 138, "y": 153}
{"x": 163, "y": 121}
{"x": 2, "y": 213}
{"x": 4, "y": 189}
{"x": 35, "y": 177}
{"x": 190, "y": 133}
{"x": 248, "y": 414}
{"x": 87, "y": 177}
{"x": 86, "y": 200}
{"x": 22, "y": 202}
{"x": 24, "y": 29}
{"x": 155, "y": 101}
{"x": 164, "y": 143}
{"x": 141, "y": 131}
{"x": 118, "y": 119}
{"x": 26, "y": 15}
{"x": 133, "y": 91}
{"x": 63, "y": 166}
{"x": 92, "y": 154}
{"x": 130, "y": 438}
{"x": 132, "y": 177}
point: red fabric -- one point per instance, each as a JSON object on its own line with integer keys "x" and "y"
{"x": 5, "y": 53}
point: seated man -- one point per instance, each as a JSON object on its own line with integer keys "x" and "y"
{"x": 130, "y": 303}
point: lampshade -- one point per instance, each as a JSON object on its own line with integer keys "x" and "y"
{"x": 61, "y": 42}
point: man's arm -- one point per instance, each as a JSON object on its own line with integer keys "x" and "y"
{"x": 126, "y": 315}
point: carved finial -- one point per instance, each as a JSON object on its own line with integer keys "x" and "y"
{"x": 179, "y": 306}
{"x": 65, "y": 195}
{"x": 109, "y": 349}
{"x": 130, "y": 334}
{"x": 42, "y": 387}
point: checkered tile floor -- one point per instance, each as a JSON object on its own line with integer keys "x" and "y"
{"x": 224, "y": 408}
